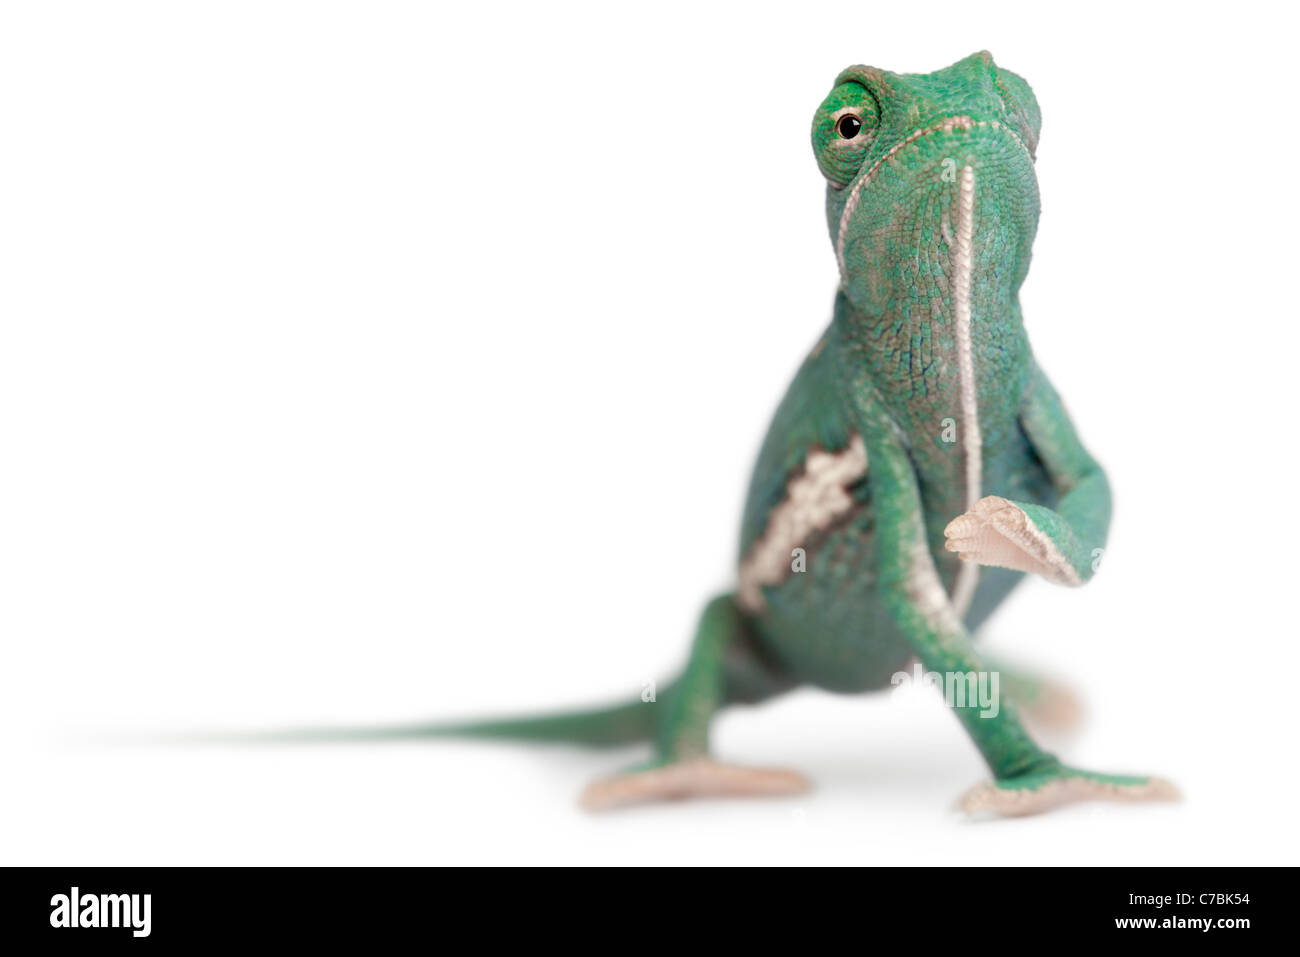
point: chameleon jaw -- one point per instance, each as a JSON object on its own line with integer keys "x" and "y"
{"x": 864, "y": 179}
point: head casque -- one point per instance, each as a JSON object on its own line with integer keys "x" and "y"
{"x": 900, "y": 150}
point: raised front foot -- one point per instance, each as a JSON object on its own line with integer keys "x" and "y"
{"x": 1041, "y": 791}
{"x": 698, "y": 777}
{"x": 1002, "y": 533}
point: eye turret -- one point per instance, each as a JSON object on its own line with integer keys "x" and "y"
{"x": 844, "y": 126}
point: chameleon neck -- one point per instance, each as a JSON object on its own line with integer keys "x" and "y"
{"x": 935, "y": 379}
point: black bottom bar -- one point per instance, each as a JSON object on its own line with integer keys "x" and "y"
{"x": 213, "y": 906}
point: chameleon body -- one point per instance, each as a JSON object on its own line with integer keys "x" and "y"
{"x": 919, "y": 465}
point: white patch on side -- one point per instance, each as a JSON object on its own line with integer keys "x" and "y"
{"x": 813, "y": 501}
{"x": 963, "y": 255}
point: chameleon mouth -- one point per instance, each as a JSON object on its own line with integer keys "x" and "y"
{"x": 946, "y": 125}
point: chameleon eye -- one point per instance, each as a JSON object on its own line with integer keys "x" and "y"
{"x": 849, "y": 126}
{"x": 843, "y": 131}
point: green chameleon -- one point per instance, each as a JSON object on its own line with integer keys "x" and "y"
{"x": 918, "y": 466}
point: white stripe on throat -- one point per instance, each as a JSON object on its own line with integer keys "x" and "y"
{"x": 963, "y": 589}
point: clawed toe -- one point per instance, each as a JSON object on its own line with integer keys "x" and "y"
{"x": 997, "y": 532}
{"x": 699, "y": 777}
{"x": 1034, "y": 795}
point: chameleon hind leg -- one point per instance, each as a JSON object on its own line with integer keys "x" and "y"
{"x": 723, "y": 667}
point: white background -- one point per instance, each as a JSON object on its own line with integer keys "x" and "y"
{"x": 375, "y": 362}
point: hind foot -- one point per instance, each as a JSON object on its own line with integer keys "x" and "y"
{"x": 1043, "y": 790}
{"x": 1055, "y": 707}
{"x": 698, "y": 777}
{"x": 1046, "y": 704}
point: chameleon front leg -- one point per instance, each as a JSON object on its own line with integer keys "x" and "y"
{"x": 721, "y": 668}
{"x": 1027, "y": 778}
{"x": 1062, "y": 545}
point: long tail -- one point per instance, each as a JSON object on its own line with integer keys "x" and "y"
{"x": 597, "y": 728}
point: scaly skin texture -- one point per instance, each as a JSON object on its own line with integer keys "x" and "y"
{"x": 918, "y": 442}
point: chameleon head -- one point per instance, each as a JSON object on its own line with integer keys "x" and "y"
{"x": 901, "y": 153}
